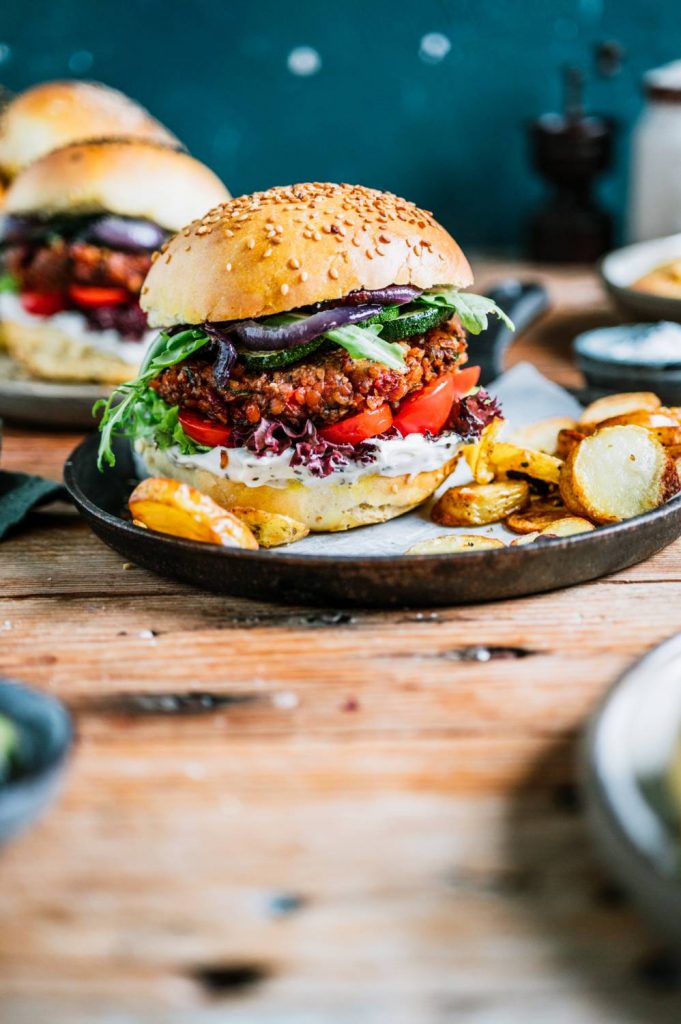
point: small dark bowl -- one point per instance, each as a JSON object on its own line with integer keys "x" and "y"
{"x": 621, "y": 268}
{"x": 605, "y": 372}
{"x": 629, "y": 748}
{"x": 45, "y": 739}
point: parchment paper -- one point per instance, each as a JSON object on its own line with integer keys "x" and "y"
{"x": 526, "y": 396}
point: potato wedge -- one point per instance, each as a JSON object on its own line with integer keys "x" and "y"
{"x": 528, "y": 538}
{"x": 531, "y": 520}
{"x": 617, "y": 473}
{"x": 617, "y": 405}
{"x": 648, "y": 418}
{"x": 477, "y": 504}
{"x": 567, "y": 439}
{"x": 270, "y": 529}
{"x": 478, "y": 455}
{"x": 508, "y": 458}
{"x": 543, "y": 435}
{"x": 454, "y": 543}
{"x": 168, "y": 506}
{"x": 567, "y": 527}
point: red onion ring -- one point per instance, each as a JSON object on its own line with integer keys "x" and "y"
{"x": 126, "y": 233}
{"x": 393, "y": 295}
{"x": 257, "y": 337}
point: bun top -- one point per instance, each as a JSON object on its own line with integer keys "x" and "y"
{"x": 294, "y": 246}
{"x": 123, "y": 176}
{"x": 57, "y": 113}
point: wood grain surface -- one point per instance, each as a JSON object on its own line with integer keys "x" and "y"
{"x": 282, "y": 815}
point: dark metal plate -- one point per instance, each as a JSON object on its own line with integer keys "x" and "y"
{"x": 379, "y": 581}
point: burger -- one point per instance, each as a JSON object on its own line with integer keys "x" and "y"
{"x": 80, "y": 227}
{"x": 55, "y": 114}
{"x": 311, "y": 357}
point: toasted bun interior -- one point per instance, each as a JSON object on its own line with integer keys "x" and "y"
{"x": 328, "y": 506}
{"x": 46, "y": 352}
{"x": 293, "y": 246}
{"x": 125, "y": 176}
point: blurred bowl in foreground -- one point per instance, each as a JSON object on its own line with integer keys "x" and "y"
{"x": 633, "y": 783}
{"x": 35, "y": 739}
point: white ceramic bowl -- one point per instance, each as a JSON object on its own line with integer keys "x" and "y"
{"x": 621, "y": 268}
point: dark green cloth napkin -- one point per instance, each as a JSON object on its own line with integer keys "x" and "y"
{"x": 21, "y": 493}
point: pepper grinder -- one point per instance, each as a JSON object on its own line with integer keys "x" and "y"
{"x": 570, "y": 150}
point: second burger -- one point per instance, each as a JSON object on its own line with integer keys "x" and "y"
{"x": 76, "y": 242}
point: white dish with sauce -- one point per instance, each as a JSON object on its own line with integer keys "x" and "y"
{"x": 621, "y": 269}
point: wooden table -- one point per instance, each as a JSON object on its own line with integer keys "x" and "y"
{"x": 378, "y": 823}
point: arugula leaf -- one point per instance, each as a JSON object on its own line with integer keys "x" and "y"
{"x": 365, "y": 343}
{"x": 8, "y": 283}
{"x": 472, "y": 310}
{"x": 119, "y": 411}
{"x": 152, "y": 417}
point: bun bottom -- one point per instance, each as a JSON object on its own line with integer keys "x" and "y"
{"x": 48, "y": 353}
{"x": 327, "y": 507}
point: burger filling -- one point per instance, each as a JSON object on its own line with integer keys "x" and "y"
{"x": 89, "y": 267}
{"x": 321, "y": 390}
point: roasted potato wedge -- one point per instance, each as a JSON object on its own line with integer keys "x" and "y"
{"x": 535, "y": 520}
{"x": 567, "y": 439}
{"x": 617, "y": 405}
{"x": 648, "y": 418}
{"x": 528, "y": 538}
{"x": 506, "y": 458}
{"x": 543, "y": 435}
{"x": 617, "y": 473}
{"x": 454, "y": 543}
{"x": 477, "y": 504}
{"x": 168, "y": 506}
{"x": 478, "y": 455}
{"x": 270, "y": 529}
{"x": 567, "y": 527}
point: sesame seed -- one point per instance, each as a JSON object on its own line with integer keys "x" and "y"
{"x": 369, "y": 254}
{"x": 267, "y": 252}
{"x": 379, "y": 251}
{"x": 294, "y": 263}
{"x": 284, "y": 289}
{"x": 228, "y": 267}
{"x": 304, "y": 275}
{"x": 317, "y": 236}
{"x": 251, "y": 243}
{"x": 333, "y": 273}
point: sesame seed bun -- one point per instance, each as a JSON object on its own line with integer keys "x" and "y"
{"x": 329, "y": 506}
{"x": 294, "y": 246}
{"x": 55, "y": 114}
{"x": 129, "y": 177}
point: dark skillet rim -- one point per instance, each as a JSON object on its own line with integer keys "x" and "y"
{"x": 511, "y": 554}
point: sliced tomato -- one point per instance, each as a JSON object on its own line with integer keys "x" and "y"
{"x": 43, "y": 303}
{"x": 358, "y": 428}
{"x": 427, "y": 410}
{"x": 90, "y": 295}
{"x": 465, "y": 380}
{"x": 204, "y": 431}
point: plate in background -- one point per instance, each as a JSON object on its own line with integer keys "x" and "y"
{"x": 621, "y": 268}
{"x": 33, "y": 403}
{"x": 379, "y": 581}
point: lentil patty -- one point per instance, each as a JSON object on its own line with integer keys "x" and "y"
{"x": 55, "y": 266}
{"x": 324, "y": 388}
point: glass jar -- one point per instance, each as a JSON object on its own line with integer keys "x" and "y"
{"x": 655, "y": 186}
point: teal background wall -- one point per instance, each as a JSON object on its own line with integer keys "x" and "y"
{"x": 383, "y": 106}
